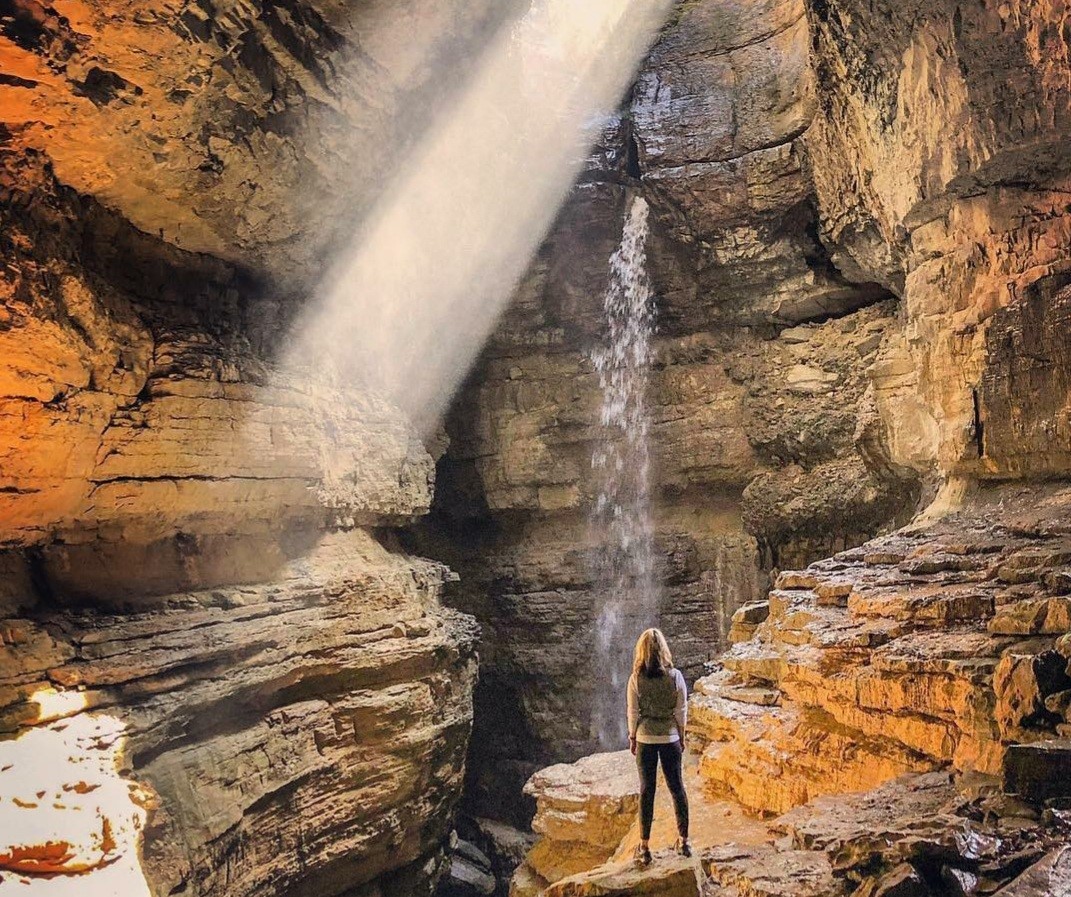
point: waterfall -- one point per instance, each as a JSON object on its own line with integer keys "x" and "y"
{"x": 624, "y": 574}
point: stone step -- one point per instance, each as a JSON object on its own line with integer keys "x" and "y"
{"x": 712, "y": 718}
{"x": 1035, "y": 616}
{"x": 755, "y": 662}
{"x": 935, "y": 605}
{"x": 728, "y": 686}
{"x": 1040, "y": 771}
{"x": 746, "y": 621}
{"x": 750, "y": 694}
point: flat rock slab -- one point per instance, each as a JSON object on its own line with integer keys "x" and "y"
{"x": 764, "y": 871}
{"x": 668, "y": 876}
{"x": 840, "y": 825}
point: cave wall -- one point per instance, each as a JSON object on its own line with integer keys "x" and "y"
{"x": 198, "y": 551}
{"x": 767, "y": 446}
{"x": 940, "y": 160}
{"x": 932, "y": 171}
{"x": 217, "y": 659}
{"x": 859, "y": 254}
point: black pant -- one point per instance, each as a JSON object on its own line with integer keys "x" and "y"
{"x": 647, "y": 756}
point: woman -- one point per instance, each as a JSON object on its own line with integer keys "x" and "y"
{"x": 657, "y": 715}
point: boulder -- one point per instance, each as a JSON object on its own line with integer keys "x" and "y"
{"x": 1039, "y": 771}
{"x": 1023, "y": 682}
{"x": 1049, "y": 877}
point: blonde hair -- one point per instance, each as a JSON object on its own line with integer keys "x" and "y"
{"x": 652, "y": 656}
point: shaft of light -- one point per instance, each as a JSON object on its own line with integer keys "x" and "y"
{"x": 418, "y": 293}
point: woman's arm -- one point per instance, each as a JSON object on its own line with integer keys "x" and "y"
{"x": 680, "y": 712}
{"x": 633, "y": 708}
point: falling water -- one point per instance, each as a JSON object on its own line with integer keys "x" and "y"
{"x": 409, "y": 303}
{"x": 624, "y": 566}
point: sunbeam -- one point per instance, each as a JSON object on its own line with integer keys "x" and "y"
{"x": 415, "y": 297}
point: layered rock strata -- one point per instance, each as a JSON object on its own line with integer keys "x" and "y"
{"x": 256, "y": 133}
{"x": 805, "y": 163}
{"x": 920, "y": 834}
{"x": 220, "y": 673}
{"x": 898, "y": 713}
{"x": 303, "y": 736}
{"x": 933, "y": 647}
{"x": 766, "y": 445}
{"x": 939, "y": 155}
{"x": 199, "y": 564}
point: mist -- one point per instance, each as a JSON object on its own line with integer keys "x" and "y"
{"x": 408, "y": 305}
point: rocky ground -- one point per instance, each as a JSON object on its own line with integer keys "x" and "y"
{"x": 893, "y": 720}
{"x": 916, "y": 836}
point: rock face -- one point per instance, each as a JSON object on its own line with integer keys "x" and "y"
{"x": 191, "y": 577}
{"x": 584, "y": 810}
{"x": 218, "y": 665}
{"x": 859, "y": 258}
{"x": 767, "y": 447}
{"x": 898, "y": 713}
{"x": 301, "y": 737}
{"x": 858, "y": 245}
{"x": 250, "y": 132}
{"x": 896, "y": 656}
{"x": 963, "y": 219}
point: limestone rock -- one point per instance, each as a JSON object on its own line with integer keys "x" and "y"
{"x": 340, "y": 685}
{"x": 229, "y": 131}
{"x": 906, "y": 674}
{"x": 913, "y": 183}
{"x": 1050, "y": 876}
{"x": 903, "y": 881}
{"x": 1038, "y": 771}
{"x": 583, "y": 812}
{"x": 757, "y": 467}
{"x": 469, "y": 874}
{"x": 898, "y": 839}
{"x": 186, "y": 536}
{"x": 504, "y": 845}
{"x": 767, "y": 872}
{"x": 672, "y": 877}
{"x": 1023, "y": 682}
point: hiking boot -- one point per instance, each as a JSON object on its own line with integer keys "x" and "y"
{"x": 642, "y": 856}
{"x": 683, "y": 847}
